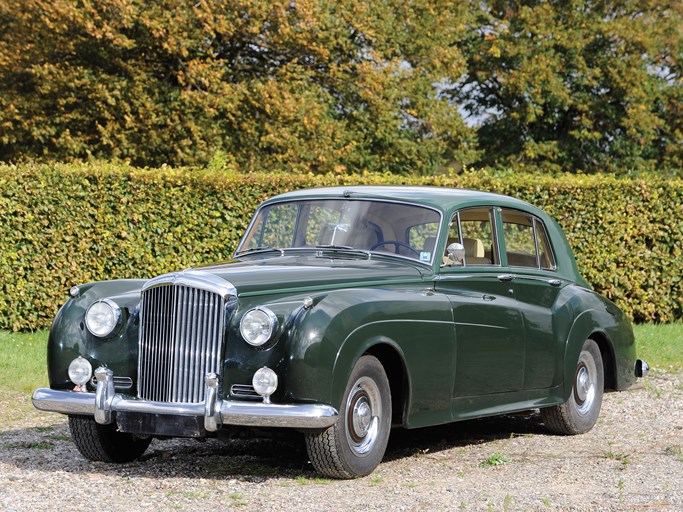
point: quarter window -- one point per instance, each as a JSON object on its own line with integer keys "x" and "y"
{"x": 526, "y": 241}
{"x": 546, "y": 254}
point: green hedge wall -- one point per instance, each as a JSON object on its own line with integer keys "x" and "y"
{"x": 68, "y": 224}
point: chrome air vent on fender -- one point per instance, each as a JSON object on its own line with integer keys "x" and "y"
{"x": 182, "y": 325}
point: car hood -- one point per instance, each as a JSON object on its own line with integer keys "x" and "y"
{"x": 290, "y": 273}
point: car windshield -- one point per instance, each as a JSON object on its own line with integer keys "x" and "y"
{"x": 381, "y": 226}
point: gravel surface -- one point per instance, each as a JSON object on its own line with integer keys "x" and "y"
{"x": 631, "y": 460}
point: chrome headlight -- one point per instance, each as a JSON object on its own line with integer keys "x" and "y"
{"x": 103, "y": 317}
{"x": 258, "y": 326}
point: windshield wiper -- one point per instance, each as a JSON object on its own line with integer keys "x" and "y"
{"x": 345, "y": 249}
{"x": 260, "y": 250}
{"x": 330, "y": 246}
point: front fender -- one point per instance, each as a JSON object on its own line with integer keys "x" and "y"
{"x": 344, "y": 325}
{"x": 69, "y": 338}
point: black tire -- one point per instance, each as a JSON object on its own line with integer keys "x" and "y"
{"x": 580, "y": 412}
{"x": 355, "y": 445}
{"x": 103, "y": 442}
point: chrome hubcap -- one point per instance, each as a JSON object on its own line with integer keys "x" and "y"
{"x": 582, "y": 384}
{"x": 364, "y": 407}
{"x": 362, "y": 416}
{"x": 585, "y": 384}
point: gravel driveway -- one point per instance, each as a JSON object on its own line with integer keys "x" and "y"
{"x": 631, "y": 460}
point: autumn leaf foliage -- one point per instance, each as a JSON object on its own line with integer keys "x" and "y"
{"x": 345, "y": 86}
{"x": 309, "y": 86}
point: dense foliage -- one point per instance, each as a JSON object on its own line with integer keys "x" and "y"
{"x": 63, "y": 225}
{"x": 576, "y": 84}
{"x": 347, "y": 86}
{"x": 304, "y": 86}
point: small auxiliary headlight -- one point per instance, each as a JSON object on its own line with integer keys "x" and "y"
{"x": 103, "y": 317}
{"x": 265, "y": 383}
{"x": 80, "y": 371}
{"x": 258, "y": 326}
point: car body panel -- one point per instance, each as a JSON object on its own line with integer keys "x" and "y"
{"x": 489, "y": 332}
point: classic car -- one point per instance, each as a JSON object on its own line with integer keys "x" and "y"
{"x": 345, "y": 311}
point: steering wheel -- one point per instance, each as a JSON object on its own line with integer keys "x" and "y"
{"x": 397, "y": 244}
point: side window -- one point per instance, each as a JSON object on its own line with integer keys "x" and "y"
{"x": 526, "y": 241}
{"x": 474, "y": 230}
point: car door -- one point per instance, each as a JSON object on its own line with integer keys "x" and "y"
{"x": 531, "y": 262}
{"x": 488, "y": 324}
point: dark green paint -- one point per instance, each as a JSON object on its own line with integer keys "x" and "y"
{"x": 469, "y": 344}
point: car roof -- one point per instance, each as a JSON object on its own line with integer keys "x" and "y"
{"x": 442, "y": 198}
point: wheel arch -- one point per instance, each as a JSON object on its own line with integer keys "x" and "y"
{"x": 395, "y": 369}
{"x": 608, "y": 358}
{"x": 585, "y": 326}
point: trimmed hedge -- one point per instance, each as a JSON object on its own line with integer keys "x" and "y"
{"x": 68, "y": 224}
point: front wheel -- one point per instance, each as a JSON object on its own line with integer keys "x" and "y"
{"x": 355, "y": 445}
{"x": 103, "y": 442}
{"x": 580, "y": 412}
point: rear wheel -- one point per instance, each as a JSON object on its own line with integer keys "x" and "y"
{"x": 103, "y": 442}
{"x": 580, "y": 412}
{"x": 355, "y": 445}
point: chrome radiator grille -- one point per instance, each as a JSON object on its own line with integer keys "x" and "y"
{"x": 181, "y": 328}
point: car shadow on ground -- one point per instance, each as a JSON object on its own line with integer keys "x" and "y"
{"x": 404, "y": 442}
{"x": 49, "y": 448}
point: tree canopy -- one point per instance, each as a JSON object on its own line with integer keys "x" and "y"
{"x": 576, "y": 84}
{"x": 343, "y": 86}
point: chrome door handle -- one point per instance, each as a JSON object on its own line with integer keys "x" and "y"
{"x": 489, "y": 297}
{"x": 506, "y": 277}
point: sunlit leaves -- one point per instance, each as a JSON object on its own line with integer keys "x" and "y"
{"x": 310, "y": 86}
{"x": 576, "y": 85}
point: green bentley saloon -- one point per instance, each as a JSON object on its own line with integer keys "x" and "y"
{"x": 345, "y": 312}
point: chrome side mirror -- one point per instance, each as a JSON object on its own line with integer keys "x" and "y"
{"x": 456, "y": 252}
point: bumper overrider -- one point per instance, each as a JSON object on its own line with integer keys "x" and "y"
{"x": 215, "y": 411}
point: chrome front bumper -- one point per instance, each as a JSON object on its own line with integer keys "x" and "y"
{"x": 216, "y": 412}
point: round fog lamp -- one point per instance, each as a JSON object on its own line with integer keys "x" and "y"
{"x": 258, "y": 326}
{"x": 80, "y": 371}
{"x": 265, "y": 382}
{"x": 103, "y": 317}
